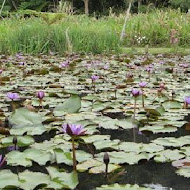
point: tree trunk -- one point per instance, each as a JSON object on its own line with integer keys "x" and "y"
{"x": 2, "y": 6}
{"x": 139, "y": 4}
{"x": 86, "y": 7}
{"x": 125, "y": 22}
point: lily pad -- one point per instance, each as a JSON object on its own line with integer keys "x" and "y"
{"x": 71, "y": 105}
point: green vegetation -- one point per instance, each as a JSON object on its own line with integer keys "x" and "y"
{"x": 34, "y": 35}
{"x": 60, "y": 32}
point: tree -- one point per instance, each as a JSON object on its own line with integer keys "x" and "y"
{"x": 86, "y": 6}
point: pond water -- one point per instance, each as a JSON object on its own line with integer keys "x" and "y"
{"x": 146, "y": 143}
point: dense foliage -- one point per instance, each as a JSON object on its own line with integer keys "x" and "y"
{"x": 94, "y": 6}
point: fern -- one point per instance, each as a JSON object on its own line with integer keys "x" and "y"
{"x": 37, "y": 5}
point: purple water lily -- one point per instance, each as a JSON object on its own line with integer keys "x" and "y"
{"x": 73, "y": 129}
{"x": 106, "y": 67}
{"x": 135, "y": 92}
{"x": 21, "y": 63}
{"x": 186, "y": 101}
{"x": 64, "y": 64}
{"x": 12, "y": 148}
{"x": 40, "y": 94}
{"x": 12, "y": 96}
{"x": 94, "y": 77}
{"x": 142, "y": 84}
{"x": 2, "y": 160}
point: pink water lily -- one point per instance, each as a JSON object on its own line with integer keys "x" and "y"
{"x": 73, "y": 129}
{"x": 12, "y": 96}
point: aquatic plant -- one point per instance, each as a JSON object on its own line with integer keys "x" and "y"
{"x": 142, "y": 85}
{"x": 135, "y": 93}
{"x": 74, "y": 131}
{"x": 186, "y": 101}
{"x": 94, "y": 78}
{"x": 12, "y": 96}
{"x": 40, "y": 94}
{"x": 2, "y": 160}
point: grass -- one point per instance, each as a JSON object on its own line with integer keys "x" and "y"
{"x": 47, "y": 32}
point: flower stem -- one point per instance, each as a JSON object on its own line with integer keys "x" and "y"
{"x": 142, "y": 98}
{"x": 74, "y": 154}
{"x": 135, "y": 106}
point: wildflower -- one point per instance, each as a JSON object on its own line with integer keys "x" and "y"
{"x": 1, "y": 71}
{"x": 12, "y": 96}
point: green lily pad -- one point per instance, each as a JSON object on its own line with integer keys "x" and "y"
{"x": 71, "y": 105}
{"x": 172, "y": 105}
{"x": 23, "y": 117}
{"x": 66, "y": 180}
{"x": 184, "y": 172}
{"x": 30, "y": 180}
{"x": 121, "y": 187}
{"x": 168, "y": 156}
{"x": 5, "y": 176}
{"x": 158, "y": 111}
{"x": 22, "y": 140}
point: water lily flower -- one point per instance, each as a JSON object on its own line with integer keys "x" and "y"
{"x": 106, "y": 67}
{"x": 73, "y": 129}
{"x": 143, "y": 84}
{"x": 64, "y": 64}
{"x": 21, "y": 63}
{"x": 12, "y": 96}
{"x": 94, "y": 77}
{"x": 2, "y": 160}
{"x": 135, "y": 92}
{"x": 186, "y": 101}
{"x": 40, "y": 94}
{"x": 162, "y": 85}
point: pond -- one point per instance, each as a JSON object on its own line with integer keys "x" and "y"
{"x": 130, "y": 113}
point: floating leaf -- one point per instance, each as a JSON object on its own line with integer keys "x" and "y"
{"x": 121, "y": 187}
{"x": 8, "y": 179}
{"x": 30, "y": 180}
{"x": 71, "y": 105}
{"x": 24, "y": 117}
{"x": 67, "y": 180}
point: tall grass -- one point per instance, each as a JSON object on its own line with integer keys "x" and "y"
{"x": 156, "y": 28}
{"x": 86, "y": 34}
{"x": 34, "y": 35}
